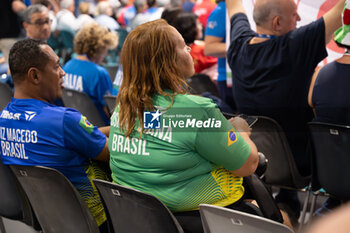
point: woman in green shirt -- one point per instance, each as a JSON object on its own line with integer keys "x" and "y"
{"x": 163, "y": 141}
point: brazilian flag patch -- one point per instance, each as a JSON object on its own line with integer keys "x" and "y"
{"x": 86, "y": 125}
{"x": 232, "y": 137}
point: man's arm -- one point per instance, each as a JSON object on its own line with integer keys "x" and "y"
{"x": 105, "y": 130}
{"x": 214, "y": 46}
{"x": 18, "y": 6}
{"x": 312, "y": 84}
{"x": 234, "y": 7}
{"x": 104, "y": 154}
{"x": 332, "y": 19}
{"x": 55, "y": 7}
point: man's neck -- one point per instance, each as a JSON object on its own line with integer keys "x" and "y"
{"x": 23, "y": 92}
{"x": 265, "y": 34}
{"x": 265, "y": 31}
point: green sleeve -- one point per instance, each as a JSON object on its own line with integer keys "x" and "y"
{"x": 222, "y": 146}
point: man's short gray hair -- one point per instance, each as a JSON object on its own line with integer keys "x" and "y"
{"x": 35, "y": 8}
{"x": 102, "y": 7}
{"x": 263, "y": 12}
{"x": 66, "y": 3}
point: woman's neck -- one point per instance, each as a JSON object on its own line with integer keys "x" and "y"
{"x": 82, "y": 57}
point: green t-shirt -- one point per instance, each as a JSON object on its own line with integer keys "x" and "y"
{"x": 187, "y": 161}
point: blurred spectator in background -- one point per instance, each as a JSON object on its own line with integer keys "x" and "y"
{"x": 84, "y": 73}
{"x": 53, "y": 8}
{"x": 84, "y": 16}
{"x": 126, "y": 12}
{"x": 187, "y": 5}
{"x": 66, "y": 21}
{"x": 203, "y": 8}
{"x": 170, "y": 14}
{"x": 52, "y": 5}
{"x": 36, "y": 22}
{"x": 104, "y": 16}
{"x": 140, "y": 18}
{"x": 191, "y": 30}
{"x": 215, "y": 45}
{"x": 154, "y": 11}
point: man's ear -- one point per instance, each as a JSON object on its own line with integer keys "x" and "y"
{"x": 276, "y": 24}
{"x": 34, "y": 75}
{"x": 25, "y": 25}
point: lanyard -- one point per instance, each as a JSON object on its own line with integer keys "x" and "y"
{"x": 266, "y": 36}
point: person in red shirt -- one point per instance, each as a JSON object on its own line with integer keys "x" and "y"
{"x": 191, "y": 30}
{"x": 202, "y": 9}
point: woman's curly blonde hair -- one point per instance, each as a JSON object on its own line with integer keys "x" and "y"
{"x": 92, "y": 38}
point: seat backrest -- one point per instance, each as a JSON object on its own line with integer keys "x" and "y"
{"x": 82, "y": 102}
{"x": 122, "y": 34}
{"x": 200, "y": 83}
{"x": 14, "y": 204}
{"x": 67, "y": 39}
{"x": 111, "y": 101}
{"x": 132, "y": 211}
{"x": 56, "y": 203}
{"x": 112, "y": 70}
{"x": 331, "y": 158}
{"x": 5, "y": 95}
{"x": 10, "y": 201}
{"x": 219, "y": 219}
{"x": 270, "y": 139}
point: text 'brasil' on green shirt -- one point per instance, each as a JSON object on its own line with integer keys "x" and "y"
{"x": 187, "y": 161}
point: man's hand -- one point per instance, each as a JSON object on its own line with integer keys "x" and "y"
{"x": 240, "y": 125}
{"x": 333, "y": 20}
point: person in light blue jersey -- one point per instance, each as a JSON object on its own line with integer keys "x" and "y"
{"x": 215, "y": 45}
{"x": 83, "y": 73}
{"x": 33, "y": 131}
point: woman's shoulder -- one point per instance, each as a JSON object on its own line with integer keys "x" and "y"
{"x": 188, "y": 100}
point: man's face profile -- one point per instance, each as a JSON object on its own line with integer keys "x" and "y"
{"x": 51, "y": 76}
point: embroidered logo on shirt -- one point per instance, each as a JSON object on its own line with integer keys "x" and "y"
{"x": 86, "y": 125}
{"x": 232, "y": 137}
{"x": 29, "y": 115}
